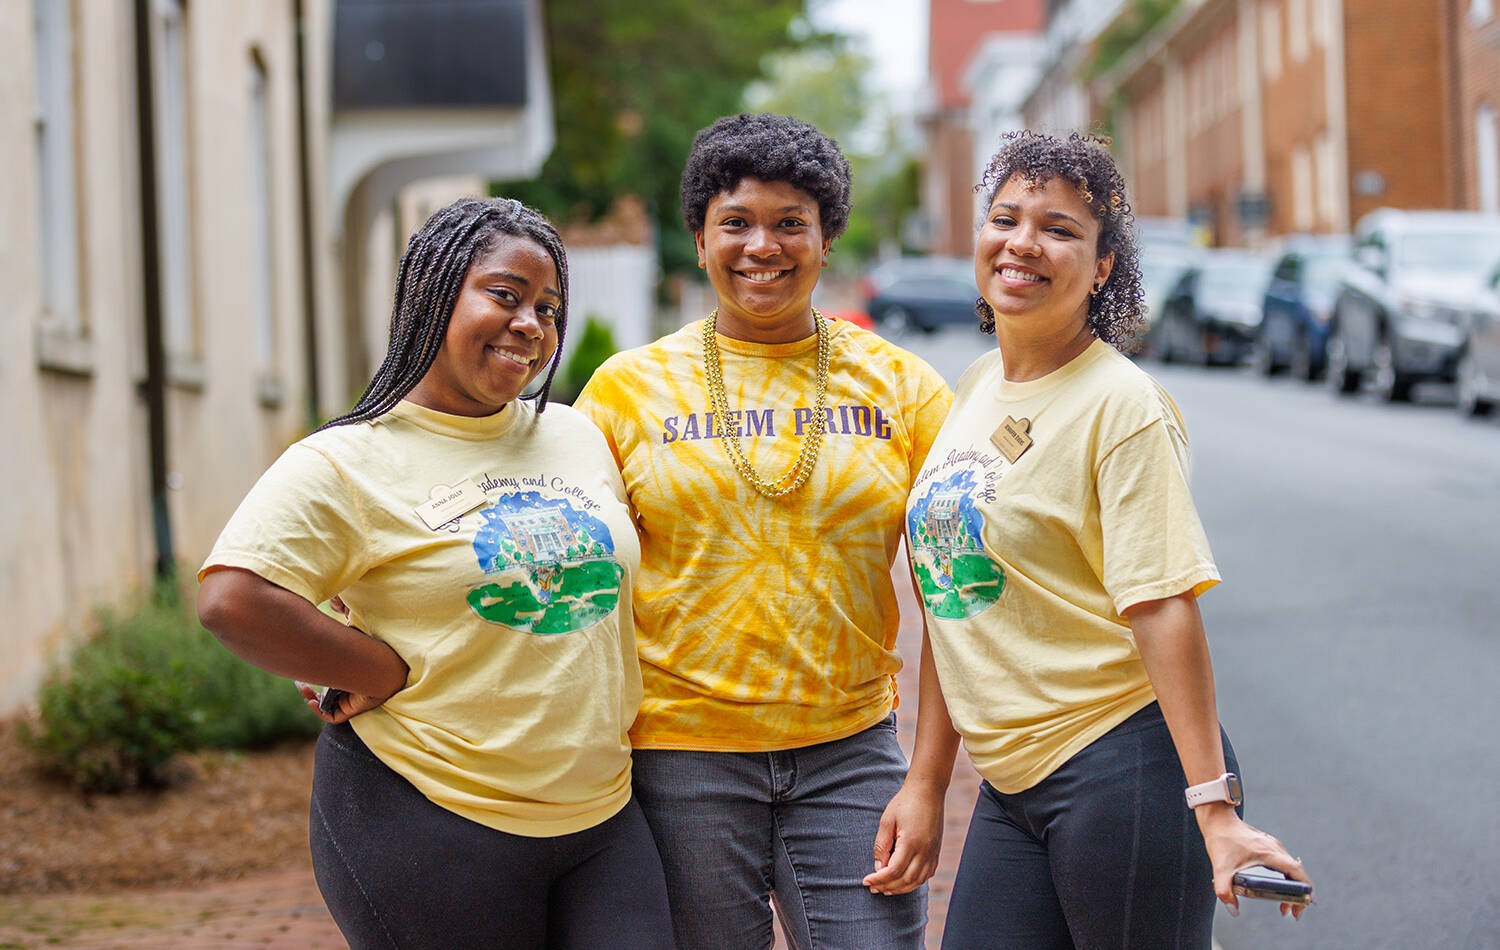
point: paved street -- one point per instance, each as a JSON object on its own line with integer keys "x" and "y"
{"x": 1356, "y": 645}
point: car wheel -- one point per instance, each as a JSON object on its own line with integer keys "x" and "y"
{"x": 1262, "y": 357}
{"x": 1166, "y": 342}
{"x": 1390, "y": 384}
{"x": 1470, "y": 402}
{"x": 897, "y": 321}
{"x": 1341, "y": 379}
{"x": 1197, "y": 345}
{"x": 1302, "y": 361}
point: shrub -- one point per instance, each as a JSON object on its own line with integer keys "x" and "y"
{"x": 595, "y": 345}
{"x": 146, "y": 686}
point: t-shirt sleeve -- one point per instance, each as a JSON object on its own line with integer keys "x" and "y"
{"x": 597, "y": 403}
{"x": 301, "y": 528}
{"x": 1154, "y": 545}
{"x": 934, "y": 401}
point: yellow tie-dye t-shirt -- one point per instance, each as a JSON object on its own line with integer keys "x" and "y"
{"x": 766, "y": 623}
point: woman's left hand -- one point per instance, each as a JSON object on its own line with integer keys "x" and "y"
{"x": 909, "y": 840}
{"x": 1234, "y": 845}
{"x": 349, "y": 704}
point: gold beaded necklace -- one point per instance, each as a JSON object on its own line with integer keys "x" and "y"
{"x": 729, "y": 425}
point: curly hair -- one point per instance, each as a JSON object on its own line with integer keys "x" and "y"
{"x": 772, "y": 148}
{"x": 432, "y": 272}
{"x": 1116, "y": 313}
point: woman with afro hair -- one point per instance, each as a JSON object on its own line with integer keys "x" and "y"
{"x": 1059, "y": 564}
{"x": 767, "y": 452}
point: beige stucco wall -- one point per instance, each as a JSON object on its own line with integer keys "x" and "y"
{"x": 75, "y": 506}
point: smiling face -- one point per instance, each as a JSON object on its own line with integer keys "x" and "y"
{"x": 502, "y": 332}
{"x": 763, "y": 247}
{"x": 1036, "y": 258}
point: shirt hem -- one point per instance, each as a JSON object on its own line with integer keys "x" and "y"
{"x": 676, "y": 743}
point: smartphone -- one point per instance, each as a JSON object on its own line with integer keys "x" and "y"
{"x": 1266, "y": 884}
{"x": 329, "y": 701}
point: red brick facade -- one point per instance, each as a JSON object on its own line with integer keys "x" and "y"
{"x": 1352, "y": 105}
{"x": 1471, "y": 53}
{"x": 955, "y": 30}
{"x": 1394, "y": 88}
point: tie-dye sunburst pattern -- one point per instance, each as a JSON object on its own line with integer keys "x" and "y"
{"x": 766, "y": 623}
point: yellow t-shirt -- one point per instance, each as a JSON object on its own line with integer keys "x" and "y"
{"x": 766, "y": 624}
{"x": 1024, "y": 567}
{"x": 515, "y": 616}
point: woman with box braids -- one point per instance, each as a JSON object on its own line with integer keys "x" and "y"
{"x": 427, "y": 284}
{"x": 472, "y": 786}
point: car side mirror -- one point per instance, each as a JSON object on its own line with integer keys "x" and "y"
{"x": 1371, "y": 258}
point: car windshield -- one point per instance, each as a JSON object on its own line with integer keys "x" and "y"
{"x": 1452, "y": 252}
{"x": 1321, "y": 274}
{"x": 1243, "y": 280}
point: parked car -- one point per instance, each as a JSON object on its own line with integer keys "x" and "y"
{"x": 1298, "y": 304}
{"x": 1478, "y": 370}
{"x": 1401, "y": 313}
{"x": 1212, "y": 313}
{"x": 1162, "y": 266}
{"x": 923, "y": 293}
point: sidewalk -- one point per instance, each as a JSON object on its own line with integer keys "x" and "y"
{"x": 283, "y": 910}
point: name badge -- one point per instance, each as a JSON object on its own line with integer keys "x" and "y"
{"x": 445, "y": 503}
{"x": 1013, "y": 438}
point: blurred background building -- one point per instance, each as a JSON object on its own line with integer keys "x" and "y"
{"x": 1248, "y": 118}
{"x": 202, "y": 205}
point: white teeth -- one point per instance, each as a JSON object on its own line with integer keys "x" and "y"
{"x": 1013, "y": 274}
{"x": 518, "y": 360}
{"x": 762, "y": 276}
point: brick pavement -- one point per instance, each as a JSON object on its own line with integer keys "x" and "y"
{"x": 283, "y": 910}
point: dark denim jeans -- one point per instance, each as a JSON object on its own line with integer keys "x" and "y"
{"x": 398, "y": 871}
{"x": 1103, "y": 854}
{"x": 798, "y": 827}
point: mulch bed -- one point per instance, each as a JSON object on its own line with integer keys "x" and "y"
{"x": 223, "y": 816}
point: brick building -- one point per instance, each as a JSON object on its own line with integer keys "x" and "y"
{"x": 1471, "y": 49}
{"x": 1261, "y": 117}
{"x": 956, "y": 29}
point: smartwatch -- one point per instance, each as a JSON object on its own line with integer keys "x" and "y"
{"x": 1225, "y": 788}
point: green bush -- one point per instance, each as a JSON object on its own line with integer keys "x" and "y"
{"x": 150, "y": 684}
{"x": 595, "y": 345}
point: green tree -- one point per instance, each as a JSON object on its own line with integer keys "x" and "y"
{"x": 1137, "y": 20}
{"x": 632, "y": 82}
{"x": 826, "y": 83}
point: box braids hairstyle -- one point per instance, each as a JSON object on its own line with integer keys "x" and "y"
{"x": 432, "y": 272}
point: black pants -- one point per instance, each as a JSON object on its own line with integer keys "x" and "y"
{"x": 397, "y": 870}
{"x": 1103, "y": 854}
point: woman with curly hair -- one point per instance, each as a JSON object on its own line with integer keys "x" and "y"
{"x": 767, "y": 452}
{"x": 1059, "y": 558}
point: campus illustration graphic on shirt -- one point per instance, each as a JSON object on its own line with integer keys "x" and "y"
{"x": 955, "y": 577}
{"x": 553, "y": 565}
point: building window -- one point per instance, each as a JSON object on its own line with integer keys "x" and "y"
{"x": 262, "y": 291}
{"x": 1296, "y": 30}
{"x": 1270, "y": 39}
{"x": 1487, "y": 166}
{"x": 1302, "y": 189}
{"x": 1328, "y": 181}
{"x": 57, "y": 183}
{"x": 1322, "y": 22}
{"x": 173, "y": 185}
